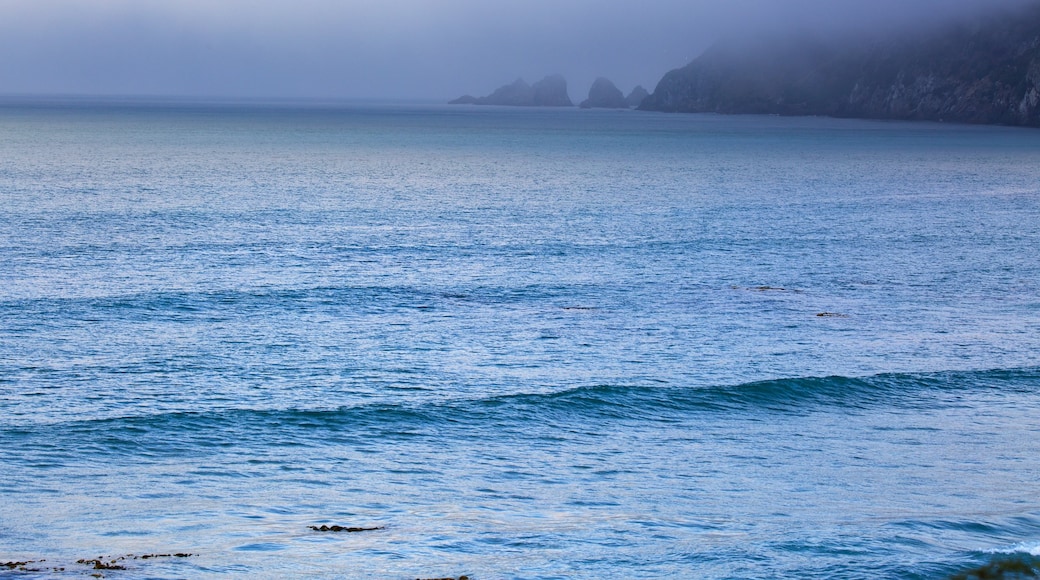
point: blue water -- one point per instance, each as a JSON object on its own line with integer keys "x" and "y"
{"x": 524, "y": 343}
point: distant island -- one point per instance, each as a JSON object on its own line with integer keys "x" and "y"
{"x": 987, "y": 72}
{"x": 552, "y": 92}
{"x": 548, "y": 92}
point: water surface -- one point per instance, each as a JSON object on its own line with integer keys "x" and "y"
{"x": 527, "y": 343}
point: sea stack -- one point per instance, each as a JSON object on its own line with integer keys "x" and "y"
{"x": 551, "y": 92}
{"x": 604, "y": 95}
{"x": 635, "y": 98}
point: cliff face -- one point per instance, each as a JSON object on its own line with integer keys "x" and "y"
{"x": 986, "y": 72}
{"x": 548, "y": 92}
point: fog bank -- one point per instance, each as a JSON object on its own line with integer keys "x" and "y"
{"x": 395, "y": 48}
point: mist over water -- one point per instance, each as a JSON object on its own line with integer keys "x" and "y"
{"x": 401, "y": 49}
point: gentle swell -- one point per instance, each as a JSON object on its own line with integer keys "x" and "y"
{"x": 533, "y": 414}
{"x": 780, "y": 395}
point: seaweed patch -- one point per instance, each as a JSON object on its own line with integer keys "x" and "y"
{"x": 177, "y": 555}
{"x": 766, "y": 289}
{"x": 23, "y": 566}
{"x": 100, "y": 564}
{"x": 106, "y": 563}
{"x": 1012, "y": 568}
{"x": 325, "y": 528}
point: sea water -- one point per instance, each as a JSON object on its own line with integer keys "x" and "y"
{"x": 522, "y": 343}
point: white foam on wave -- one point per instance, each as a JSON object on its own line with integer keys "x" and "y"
{"x": 1031, "y": 548}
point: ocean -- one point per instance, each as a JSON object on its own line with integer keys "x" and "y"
{"x": 514, "y": 343}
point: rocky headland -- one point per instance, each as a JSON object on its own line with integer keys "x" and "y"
{"x": 985, "y": 71}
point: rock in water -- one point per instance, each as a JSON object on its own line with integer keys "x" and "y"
{"x": 548, "y": 92}
{"x": 516, "y": 94}
{"x": 635, "y": 98}
{"x": 551, "y": 92}
{"x": 604, "y": 95}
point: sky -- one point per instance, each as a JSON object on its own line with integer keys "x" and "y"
{"x": 394, "y": 49}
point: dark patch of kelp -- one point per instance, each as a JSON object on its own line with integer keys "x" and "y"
{"x": 99, "y": 563}
{"x": 1017, "y": 567}
{"x": 326, "y": 528}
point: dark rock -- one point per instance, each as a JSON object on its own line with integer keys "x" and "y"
{"x": 604, "y": 95}
{"x": 984, "y": 72}
{"x": 635, "y": 98}
{"x": 548, "y": 92}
